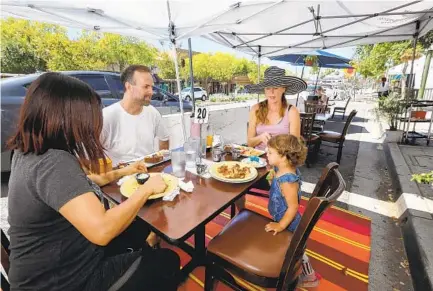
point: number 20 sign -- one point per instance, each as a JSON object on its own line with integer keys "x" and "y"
{"x": 201, "y": 115}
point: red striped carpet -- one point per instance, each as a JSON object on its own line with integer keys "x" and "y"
{"x": 339, "y": 249}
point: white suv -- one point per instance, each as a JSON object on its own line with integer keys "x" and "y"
{"x": 199, "y": 93}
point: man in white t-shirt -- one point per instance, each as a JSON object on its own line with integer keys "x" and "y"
{"x": 131, "y": 125}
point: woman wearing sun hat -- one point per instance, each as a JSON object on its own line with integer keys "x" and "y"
{"x": 274, "y": 116}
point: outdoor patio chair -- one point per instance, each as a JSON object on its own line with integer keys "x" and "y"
{"x": 338, "y": 138}
{"x": 244, "y": 249}
{"x": 311, "y": 140}
{"x": 341, "y": 109}
{"x": 5, "y": 252}
{"x": 314, "y": 107}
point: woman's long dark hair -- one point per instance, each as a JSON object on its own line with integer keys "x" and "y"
{"x": 64, "y": 113}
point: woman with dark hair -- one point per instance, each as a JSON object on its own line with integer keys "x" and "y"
{"x": 60, "y": 232}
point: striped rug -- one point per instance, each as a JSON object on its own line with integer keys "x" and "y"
{"x": 339, "y": 249}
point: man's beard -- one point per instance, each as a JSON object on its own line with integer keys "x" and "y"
{"x": 146, "y": 100}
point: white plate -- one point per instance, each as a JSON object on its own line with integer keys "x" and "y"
{"x": 262, "y": 163}
{"x": 130, "y": 185}
{"x": 149, "y": 165}
{"x": 213, "y": 172}
{"x": 259, "y": 152}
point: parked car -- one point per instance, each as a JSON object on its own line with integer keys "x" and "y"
{"x": 199, "y": 93}
{"x": 106, "y": 84}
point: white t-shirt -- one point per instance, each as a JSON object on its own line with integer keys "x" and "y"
{"x": 126, "y": 137}
{"x": 383, "y": 87}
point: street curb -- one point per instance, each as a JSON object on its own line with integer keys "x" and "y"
{"x": 416, "y": 226}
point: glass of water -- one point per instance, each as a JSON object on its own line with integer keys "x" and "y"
{"x": 191, "y": 147}
{"x": 178, "y": 163}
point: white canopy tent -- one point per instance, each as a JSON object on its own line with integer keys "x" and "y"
{"x": 282, "y": 27}
{"x": 262, "y": 28}
{"x": 149, "y": 19}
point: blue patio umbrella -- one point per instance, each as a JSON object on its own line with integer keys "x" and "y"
{"x": 324, "y": 60}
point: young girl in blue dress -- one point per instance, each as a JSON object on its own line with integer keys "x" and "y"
{"x": 286, "y": 153}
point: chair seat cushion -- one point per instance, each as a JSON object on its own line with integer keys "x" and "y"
{"x": 244, "y": 243}
{"x": 313, "y": 138}
{"x": 330, "y": 136}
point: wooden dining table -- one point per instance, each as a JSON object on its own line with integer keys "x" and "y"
{"x": 175, "y": 221}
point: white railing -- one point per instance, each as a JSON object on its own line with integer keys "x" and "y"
{"x": 428, "y": 94}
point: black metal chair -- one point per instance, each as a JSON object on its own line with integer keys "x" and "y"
{"x": 5, "y": 253}
{"x": 311, "y": 140}
{"x": 341, "y": 109}
{"x": 338, "y": 138}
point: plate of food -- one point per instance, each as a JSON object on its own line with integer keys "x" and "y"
{"x": 233, "y": 172}
{"x": 250, "y": 152}
{"x": 157, "y": 158}
{"x": 130, "y": 185}
{"x": 256, "y": 162}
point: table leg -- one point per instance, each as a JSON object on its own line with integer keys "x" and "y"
{"x": 199, "y": 257}
{"x": 232, "y": 210}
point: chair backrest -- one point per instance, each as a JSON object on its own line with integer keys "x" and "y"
{"x": 5, "y": 252}
{"x": 307, "y": 123}
{"x": 331, "y": 187}
{"x": 348, "y": 121}
{"x": 347, "y": 102}
{"x": 314, "y": 107}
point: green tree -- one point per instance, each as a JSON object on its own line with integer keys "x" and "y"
{"x": 252, "y": 71}
{"x": 81, "y": 54}
{"x": 427, "y": 40}
{"x": 202, "y": 68}
{"x": 373, "y": 60}
{"x": 327, "y": 72}
{"x": 165, "y": 64}
{"x": 26, "y": 44}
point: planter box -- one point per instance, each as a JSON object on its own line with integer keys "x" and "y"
{"x": 393, "y": 136}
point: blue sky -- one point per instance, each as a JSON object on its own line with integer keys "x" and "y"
{"x": 206, "y": 46}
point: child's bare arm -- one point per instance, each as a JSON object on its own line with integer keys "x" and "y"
{"x": 290, "y": 193}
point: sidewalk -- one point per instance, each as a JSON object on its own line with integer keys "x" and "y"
{"x": 417, "y": 203}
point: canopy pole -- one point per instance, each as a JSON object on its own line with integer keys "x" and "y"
{"x": 415, "y": 42}
{"x": 258, "y": 70}
{"x": 176, "y": 66}
{"x": 302, "y": 75}
{"x": 172, "y": 34}
{"x": 317, "y": 79}
{"x": 191, "y": 77}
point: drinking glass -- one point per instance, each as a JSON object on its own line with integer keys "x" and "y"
{"x": 191, "y": 148}
{"x": 178, "y": 163}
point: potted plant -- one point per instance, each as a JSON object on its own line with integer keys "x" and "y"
{"x": 390, "y": 107}
{"x": 310, "y": 61}
{"x": 423, "y": 178}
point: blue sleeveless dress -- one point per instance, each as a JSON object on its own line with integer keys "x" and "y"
{"x": 277, "y": 206}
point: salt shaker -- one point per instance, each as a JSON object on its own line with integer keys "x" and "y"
{"x": 217, "y": 154}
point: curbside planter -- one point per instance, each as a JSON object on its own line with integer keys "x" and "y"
{"x": 393, "y": 136}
